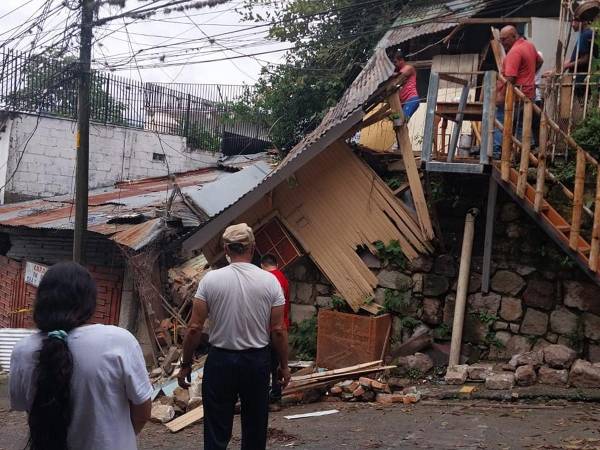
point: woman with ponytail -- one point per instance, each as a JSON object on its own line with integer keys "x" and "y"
{"x": 83, "y": 386}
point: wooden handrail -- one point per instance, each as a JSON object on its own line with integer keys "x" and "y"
{"x": 525, "y": 149}
{"x": 509, "y": 104}
{"x": 577, "y": 201}
{"x": 595, "y": 250}
{"x": 541, "y": 173}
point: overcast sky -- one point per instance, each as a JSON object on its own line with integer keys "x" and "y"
{"x": 172, "y": 32}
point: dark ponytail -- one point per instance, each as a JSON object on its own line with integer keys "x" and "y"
{"x": 66, "y": 299}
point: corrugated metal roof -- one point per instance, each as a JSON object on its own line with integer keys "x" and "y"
{"x": 147, "y": 196}
{"x": 8, "y": 339}
{"x": 215, "y": 197}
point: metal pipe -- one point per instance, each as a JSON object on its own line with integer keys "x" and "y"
{"x": 462, "y": 287}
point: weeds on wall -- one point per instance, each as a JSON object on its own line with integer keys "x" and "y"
{"x": 303, "y": 338}
{"x": 391, "y": 254}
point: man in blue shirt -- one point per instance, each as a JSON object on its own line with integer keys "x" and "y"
{"x": 580, "y": 58}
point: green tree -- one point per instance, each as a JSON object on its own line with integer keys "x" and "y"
{"x": 49, "y": 85}
{"x": 332, "y": 40}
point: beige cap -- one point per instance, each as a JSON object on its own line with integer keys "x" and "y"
{"x": 238, "y": 234}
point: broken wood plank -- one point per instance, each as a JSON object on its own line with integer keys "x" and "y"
{"x": 186, "y": 420}
{"x": 318, "y": 375}
{"x": 296, "y": 385}
{"x": 418, "y": 193}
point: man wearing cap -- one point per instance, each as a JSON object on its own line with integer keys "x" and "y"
{"x": 245, "y": 305}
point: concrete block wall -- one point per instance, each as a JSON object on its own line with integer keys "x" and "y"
{"x": 47, "y": 166}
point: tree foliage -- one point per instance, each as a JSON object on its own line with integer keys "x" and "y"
{"x": 332, "y": 40}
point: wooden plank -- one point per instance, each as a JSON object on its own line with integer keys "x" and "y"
{"x": 186, "y": 420}
{"x": 509, "y": 105}
{"x": 438, "y": 166}
{"x": 488, "y": 117}
{"x": 595, "y": 250}
{"x": 302, "y": 384}
{"x": 430, "y": 129}
{"x": 489, "y": 235}
{"x": 577, "y": 200}
{"x": 541, "y": 172}
{"x": 320, "y": 375}
{"x": 525, "y": 149}
{"x": 416, "y": 188}
{"x": 464, "y": 96}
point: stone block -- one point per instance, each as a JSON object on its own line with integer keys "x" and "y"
{"x": 422, "y": 263}
{"x": 474, "y": 330}
{"x": 304, "y": 294}
{"x": 582, "y": 295}
{"x": 514, "y": 328}
{"x": 559, "y": 356}
{"x": 584, "y": 374}
{"x": 417, "y": 284}
{"x": 480, "y": 371}
{"x": 525, "y": 375}
{"x": 510, "y": 212}
{"x": 552, "y": 337}
{"x": 379, "y": 296}
{"x": 507, "y": 283}
{"x": 539, "y": 294}
{"x": 418, "y": 362}
{"x": 511, "y": 309}
{"x": 445, "y": 265}
{"x": 488, "y": 303}
{"x": 435, "y": 285}
{"x": 591, "y": 326}
{"x": 553, "y": 377}
{"x": 432, "y": 311}
{"x": 500, "y": 381}
{"x": 532, "y": 358}
{"x": 323, "y": 289}
{"x": 370, "y": 260}
{"x": 594, "y": 353}
{"x": 300, "y": 313}
{"x": 394, "y": 280}
{"x": 457, "y": 374}
{"x": 499, "y": 325}
{"x": 511, "y": 345}
{"x": 181, "y": 397}
{"x": 563, "y": 321}
{"x": 541, "y": 344}
{"x": 162, "y": 413}
{"x": 324, "y": 302}
{"x": 449, "y": 303}
{"x": 535, "y": 322}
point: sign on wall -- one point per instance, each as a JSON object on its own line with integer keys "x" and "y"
{"x": 34, "y": 273}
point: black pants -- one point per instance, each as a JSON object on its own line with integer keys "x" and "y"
{"x": 275, "y": 386}
{"x": 227, "y": 375}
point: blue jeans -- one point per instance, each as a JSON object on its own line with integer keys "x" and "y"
{"x": 498, "y": 135}
{"x": 227, "y": 375}
{"x": 410, "y": 107}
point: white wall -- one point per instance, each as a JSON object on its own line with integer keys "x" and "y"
{"x": 47, "y": 167}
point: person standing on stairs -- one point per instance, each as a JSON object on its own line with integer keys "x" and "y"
{"x": 409, "y": 96}
{"x": 519, "y": 67}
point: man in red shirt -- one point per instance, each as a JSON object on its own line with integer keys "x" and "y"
{"x": 519, "y": 67}
{"x": 269, "y": 263}
{"x": 409, "y": 96}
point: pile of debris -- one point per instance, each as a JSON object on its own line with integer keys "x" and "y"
{"x": 554, "y": 365}
{"x": 369, "y": 390}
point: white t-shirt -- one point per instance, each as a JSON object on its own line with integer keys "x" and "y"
{"x": 239, "y": 298}
{"x": 108, "y": 372}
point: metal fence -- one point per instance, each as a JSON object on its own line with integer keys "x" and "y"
{"x": 210, "y": 116}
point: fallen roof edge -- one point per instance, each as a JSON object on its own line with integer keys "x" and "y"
{"x": 209, "y": 230}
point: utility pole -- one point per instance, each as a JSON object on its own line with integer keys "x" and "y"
{"x": 83, "y": 131}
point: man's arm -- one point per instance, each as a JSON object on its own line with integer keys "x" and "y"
{"x": 193, "y": 338}
{"x": 140, "y": 414}
{"x": 539, "y": 62}
{"x": 279, "y": 340}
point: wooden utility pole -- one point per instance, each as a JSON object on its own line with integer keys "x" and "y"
{"x": 83, "y": 130}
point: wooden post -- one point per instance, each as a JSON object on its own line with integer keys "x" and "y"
{"x": 489, "y": 115}
{"x": 430, "y": 121}
{"x": 509, "y": 105}
{"x": 595, "y": 251}
{"x": 410, "y": 165}
{"x": 527, "y": 133}
{"x": 462, "y": 287}
{"x": 464, "y": 97}
{"x": 444, "y": 130}
{"x": 489, "y": 236}
{"x": 541, "y": 172}
{"x": 577, "y": 200}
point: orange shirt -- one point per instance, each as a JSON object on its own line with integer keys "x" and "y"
{"x": 520, "y": 62}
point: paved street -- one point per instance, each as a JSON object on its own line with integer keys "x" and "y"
{"x": 427, "y": 425}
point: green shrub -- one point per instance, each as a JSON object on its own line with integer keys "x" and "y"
{"x": 303, "y": 338}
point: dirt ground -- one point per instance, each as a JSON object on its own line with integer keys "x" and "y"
{"x": 431, "y": 424}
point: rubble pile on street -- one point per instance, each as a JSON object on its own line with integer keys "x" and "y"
{"x": 368, "y": 390}
{"x": 554, "y": 365}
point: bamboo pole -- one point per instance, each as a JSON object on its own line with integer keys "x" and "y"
{"x": 577, "y": 201}
{"x": 541, "y": 172}
{"x": 595, "y": 251}
{"x": 509, "y": 104}
{"x": 525, "y": 149}
{"x": 462, "y": 287}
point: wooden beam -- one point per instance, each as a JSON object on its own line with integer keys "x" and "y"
{"x": 595, "y": 250}
{"x": 509, "y": 105}
{"x": 452, "y": 79}
{"x": 430, "y": 129}
{"x": 416, "y": 188}
{"x": 490, "y": 20}
{"x": 577, "y": 201}
{"x": 541, "y": 173}
{"x": 525, "y": 149}
{"x": 488, "y": 117}
{"x": 464, "y": 96}
{"x": 186, "y": 420}
{"x": 489, "y": 236}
